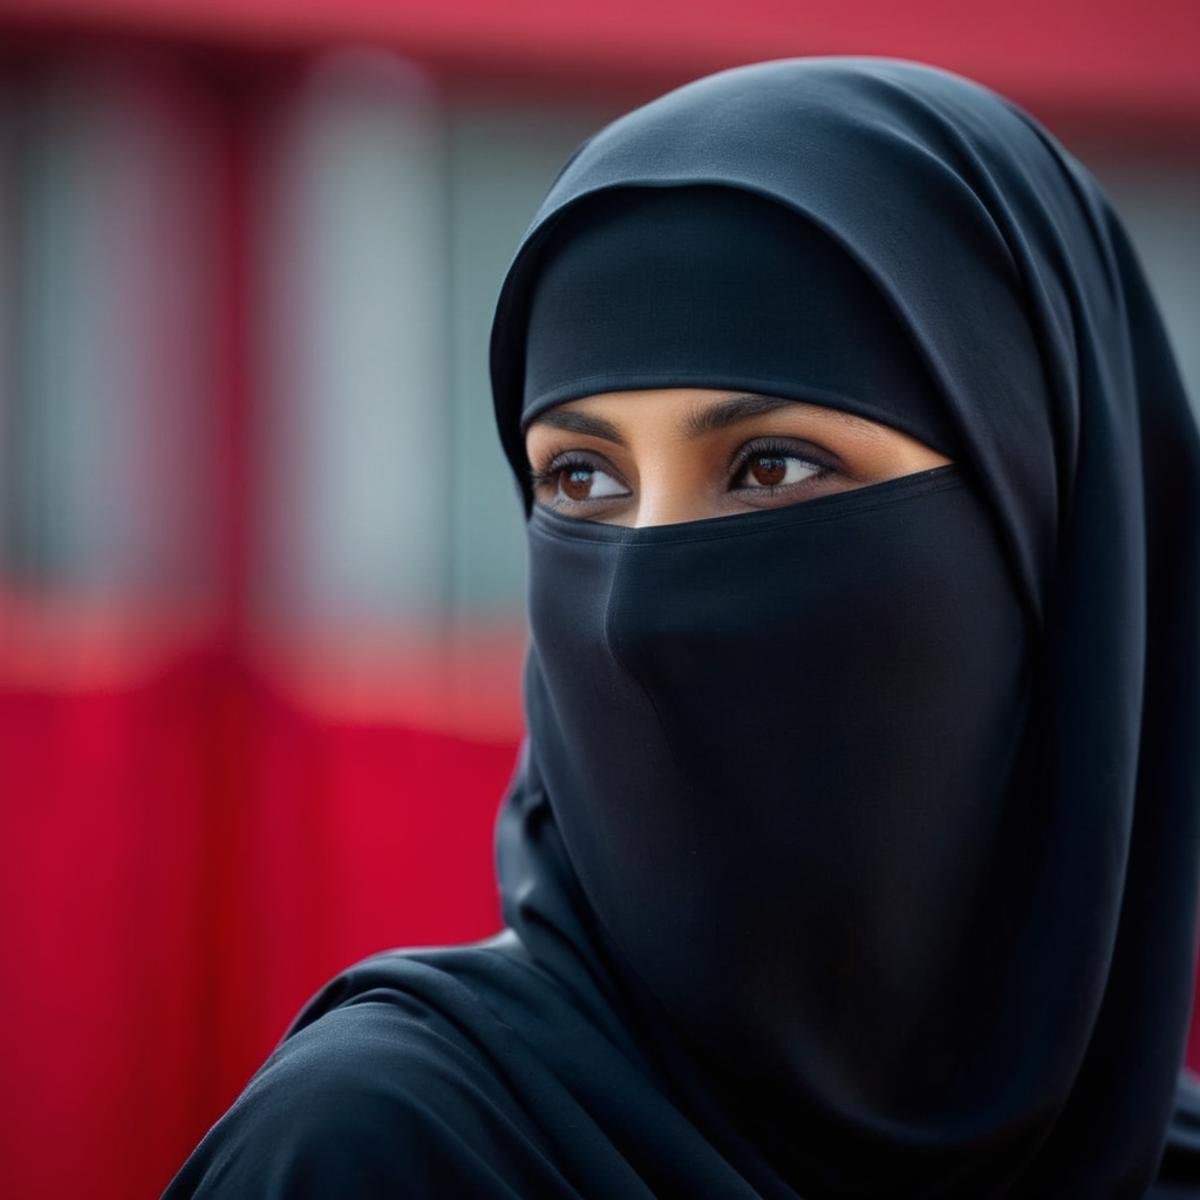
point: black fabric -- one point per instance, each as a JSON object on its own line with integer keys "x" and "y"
{"x": 715, "y": 287}
{"x": 852, "y": 850}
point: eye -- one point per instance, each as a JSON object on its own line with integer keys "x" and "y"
{"x": 771, "y": 466}
{"x": 576, "y": 480}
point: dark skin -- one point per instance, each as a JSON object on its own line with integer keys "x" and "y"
{"x": 665, "y": 455}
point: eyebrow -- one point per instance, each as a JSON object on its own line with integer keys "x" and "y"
{"x": 714, "y": 417}
{"x": 578, "y": 422}
{"x": 709, "y": 419}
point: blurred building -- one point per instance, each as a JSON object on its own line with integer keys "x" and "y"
{"x": 261, "y": 560}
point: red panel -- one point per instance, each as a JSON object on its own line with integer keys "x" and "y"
{"x": 1108, "y": 55}
{"x": 149, "y": 970}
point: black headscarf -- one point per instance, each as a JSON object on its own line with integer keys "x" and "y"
{"x": 852, "y": 848}
{"x": 880, "y": 809}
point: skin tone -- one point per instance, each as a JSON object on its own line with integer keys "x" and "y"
{"x": 665, "y": 455}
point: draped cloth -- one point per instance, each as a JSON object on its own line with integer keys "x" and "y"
{"x": 914, "y": 911}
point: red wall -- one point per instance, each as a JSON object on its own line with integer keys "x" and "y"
{"x": 186, "y": 855}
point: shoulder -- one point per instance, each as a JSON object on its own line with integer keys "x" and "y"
{"x": 392, "y": 1080}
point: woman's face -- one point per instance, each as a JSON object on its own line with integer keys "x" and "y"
{"x": 665, "y": 455}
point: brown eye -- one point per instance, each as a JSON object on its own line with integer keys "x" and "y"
{"x": 585, "y": 482}
{"x": 768, "y": 469}
{"x": 775, "y": 468}
{"x": 575, "y": 481}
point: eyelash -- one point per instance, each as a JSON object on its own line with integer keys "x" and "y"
{"x": 572, "y": 460}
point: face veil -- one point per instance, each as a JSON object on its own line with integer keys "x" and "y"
{"x": 872, "y": 818}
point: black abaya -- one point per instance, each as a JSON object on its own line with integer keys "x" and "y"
{"x": 852, "y": 849}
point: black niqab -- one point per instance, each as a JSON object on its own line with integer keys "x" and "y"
{"x": 852, "y": 850}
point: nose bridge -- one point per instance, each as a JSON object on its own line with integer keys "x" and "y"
{"x": 659, "y": 507}
{"x": 667, "y": 498}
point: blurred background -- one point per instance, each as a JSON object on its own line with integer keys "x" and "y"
{"x": 261, "y": 563}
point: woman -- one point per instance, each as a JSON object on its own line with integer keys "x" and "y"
{"x": 852, "y": 847}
